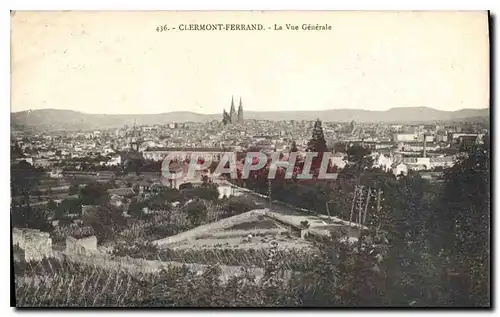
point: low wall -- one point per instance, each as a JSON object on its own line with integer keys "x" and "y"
{"x": 137, "y": 266}
{"x": 243, "y": 233}
{"x": 34, "y": 244}
{"x": 86, "y": 245}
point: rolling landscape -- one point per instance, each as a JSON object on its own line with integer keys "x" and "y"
{"x": 54, "y": 119}
{"x": 226, "y": 159}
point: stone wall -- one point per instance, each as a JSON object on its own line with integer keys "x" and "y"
{"x": 86, "y": 245}
{"x": 34, "y": 244}
{"x": 137, "y": 266}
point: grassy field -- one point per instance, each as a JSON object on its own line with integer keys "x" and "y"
{"x": 289, "y": 259}
{"x": 60, "y": 283}
{"x": 321, "y": 279}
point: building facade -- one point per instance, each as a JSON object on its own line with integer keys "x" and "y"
{"x": 181, "y": 154}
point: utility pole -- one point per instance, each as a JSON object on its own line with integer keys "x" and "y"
{"x": 360, "y": 204}
{"x": 269, "y": 192}
{"x": 367, "y": 203}
{"x": 378, "y": 207}
{"x": 328, "y": 209}
{"x": 352, "y": 205}
{"x": 425, "y": 145}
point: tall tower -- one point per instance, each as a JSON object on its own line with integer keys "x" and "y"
{"x": 232, "y": 113}
{"x": 134, "y": 142}
{"x": 424, "y": 154}
{"x": 240, "y": 112}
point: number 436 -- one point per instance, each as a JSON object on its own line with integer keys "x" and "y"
{"x": 162, "y": 28}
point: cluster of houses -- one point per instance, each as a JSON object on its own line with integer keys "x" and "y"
{"x": 394, "y": 162}
{"x": 399, "y": 164}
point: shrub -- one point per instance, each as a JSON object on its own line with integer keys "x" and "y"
{"x": 93, "y": 194}
{"x": 61, "y": 232}
{"x": 205, "y": 192}
{"x": 106, "y": 221}
{"x": 139, "y": 250}
{"x": 164, "y": 230}
{"x": 31, "y": 217}
{"x": 73, "y": 189}
{"x": 136, "y": 208}
{"x": 237, "y": 205}
{"x": 196, "y": 212}
{"x": 68, "y": 206}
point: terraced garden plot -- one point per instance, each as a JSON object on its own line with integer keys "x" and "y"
{"x": 248, "y": 240}
{"x": 260, "y": 223}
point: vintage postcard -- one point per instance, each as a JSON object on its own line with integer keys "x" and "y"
{"x": 250, "y": 159}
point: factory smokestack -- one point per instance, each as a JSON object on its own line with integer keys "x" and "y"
{"x": 425, "y": 145}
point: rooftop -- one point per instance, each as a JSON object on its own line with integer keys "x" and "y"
{"x": 185, "y": 149}
{"x": 121, "y": 191}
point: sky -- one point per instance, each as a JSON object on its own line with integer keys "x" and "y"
{"x": 117, "y": 63}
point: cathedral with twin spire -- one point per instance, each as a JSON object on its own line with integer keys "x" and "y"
{"x": 232, "y": 117}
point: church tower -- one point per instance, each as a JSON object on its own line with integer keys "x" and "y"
{"x": 232, "y": 112}
{"x": 134, "y": 142}
{"x": 240, "y": 112}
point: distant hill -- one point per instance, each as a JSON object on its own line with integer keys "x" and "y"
{"x": 394, "y": 115}
{"x": 52, "y": 119}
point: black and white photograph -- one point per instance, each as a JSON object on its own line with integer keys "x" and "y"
{"x": 331, "y": 159}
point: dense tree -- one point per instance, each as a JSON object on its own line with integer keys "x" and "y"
{"x": 225, "y": 118}
{"x": 344, "y": 274}
{"x": 437, "y": 238}
{"x": 135, "y": 208}
{"x": 359, "y": 156}
{"x": 150, "y": 166}
{"x": 133, "y": 162}
{"x": 51, "y": 205}
{"x": 406, "y": 208}
{"x": 236, "y": 205}
{"x": 460, "y": 227}
{"x": 31, "y": 217}
{"x": 106, "y": 221}
{"x": 16, "y": 151}
{"x": 359, "y": 160}
{"x": 156, "y": 202}
{"x": 68, "y": 206}
{"x": 73, "y": 189}
{"x": 317, "y": 142}
{"x": 171, "y": 195}
{"x": 208, "y": 192}
{"x": 24, "y": 178}
{"x": 93, "y": 194}
{"x": 196, "y": 212}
